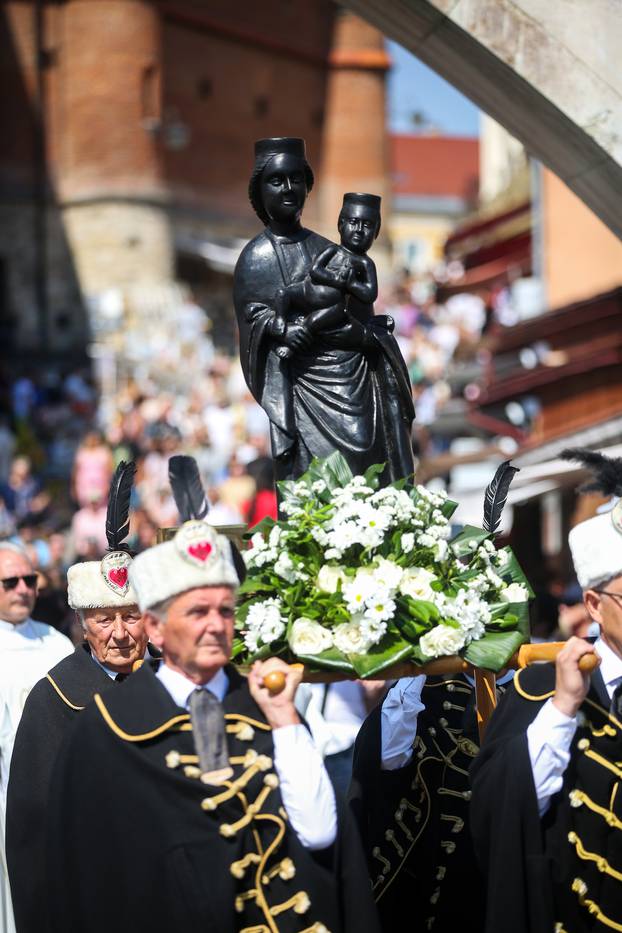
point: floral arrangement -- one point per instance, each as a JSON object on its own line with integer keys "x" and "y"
{"x": 358, "y": 577}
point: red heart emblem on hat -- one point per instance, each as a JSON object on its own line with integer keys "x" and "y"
{"x": 201, "y": 551}
{"x": 118, "y": 576}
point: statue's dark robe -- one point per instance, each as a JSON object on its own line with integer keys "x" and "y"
{"x": 414, "y": 821}
{"x": 134, "y": 846}
{"x": 52, "y": 707}
{"x": 558, "y": 872}
{"x": 340, "y": 394}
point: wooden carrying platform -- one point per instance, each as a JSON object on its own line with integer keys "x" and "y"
{"x": 485, "y": 681}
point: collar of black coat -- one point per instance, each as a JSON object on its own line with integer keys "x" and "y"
{"x": 142, "y": 708}
{"x": 537, "y": 683}
{"x": 77, "y": 678}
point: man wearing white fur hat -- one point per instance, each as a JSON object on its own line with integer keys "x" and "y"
{"x": 223, "y": 817}
{"x": 546, "y": 813}
{"x": 114, "y": 639}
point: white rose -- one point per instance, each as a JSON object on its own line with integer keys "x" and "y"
{"x": 309, "y": 637}
{"x": 441, "y": 640}
{"x": 514, "y": 593}
{"x": 416, "y": 583}
{"x": 328, "y": 578}
{"x": 350, "y": 638}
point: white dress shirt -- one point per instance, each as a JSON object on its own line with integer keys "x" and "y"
{"x": 306, "y": 789}
{"x": 550, "y": 735}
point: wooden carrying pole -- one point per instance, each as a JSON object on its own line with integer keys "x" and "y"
{"x": 485, "y": 681}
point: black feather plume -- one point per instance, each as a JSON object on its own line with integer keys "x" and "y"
{"x": 188, "y": 492}
{"x": 118, "y": 514}
{"x": 607, "y": 471}
{"x": 496, "y": 495}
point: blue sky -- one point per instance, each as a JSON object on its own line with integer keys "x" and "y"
{"x": 413, "y": 87}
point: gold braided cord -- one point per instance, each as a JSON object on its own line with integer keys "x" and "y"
{"x": 126, "y": 736}
{"x": 524, "y": 694}
{"x": 603, "y": 761}
{"x": 260, "y": 929}
{"x": 604, "y": 711}
{"x": 610, "y": 818}
{"x": 62, "y": 695}
{"x": 426, "y": 792}
{"x": 238, "y": 717}
{"x": 299, "y": 903}
{"x": 614, "y": 791}
{"x": 600, "y": 861}
{"x": 276, "y": 842}
{"x": 580, "y": 888}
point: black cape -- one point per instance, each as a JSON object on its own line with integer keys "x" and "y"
{"x": 137, "y": 842}
{"x": 415, "y": 820}
{"x": 335, "y": 396}
{"x": 50, "y": 711}
{"x": 547, "y": 874}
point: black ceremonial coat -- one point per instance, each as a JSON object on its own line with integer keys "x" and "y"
{"x": 563, "y": 872}
{"x": 414, "y": 820}
{"x": 51, "y": 709}
{"x": 147, "y": 847}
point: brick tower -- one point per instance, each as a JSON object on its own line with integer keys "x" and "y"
{"x": 355, "y": 150}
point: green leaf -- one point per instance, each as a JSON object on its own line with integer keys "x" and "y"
{"x": 449, "y": 507}
{"x": 255, "y": 585}
{"x": 263, "y": 526}
{"x": 514, "y": 570}
{"x": 329, "y": 660}
{"x": 494, "y": 650}
{"x": 372, "y": 473}
{"x": 461, "y": 544}
{"x": 389, "y": 651}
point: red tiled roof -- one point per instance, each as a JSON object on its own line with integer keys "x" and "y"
{"x": 435, "y": 165}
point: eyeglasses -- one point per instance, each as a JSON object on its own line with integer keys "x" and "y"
{"x": 30, "y": 579}
{"x": 616, "y": 596}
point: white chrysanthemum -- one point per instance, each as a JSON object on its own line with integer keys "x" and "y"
{"x": 328, "y": 578}
{"x": 285, "y": 567}
{"x": 380, "y": 609}
{"x": 350, "y": 638}
{"x": 264, "y": 622}
{"x": 407, "y": 542}
{"x": 258, "y": 542}
{"x": 275, "y": 536}
{"x": 502, "y": 558}
{"x": 441, "y": 640}
{"x": 359, "y": 591}
{"x": 426, "y": 540}
{"x": 416, "y": 583}
{"x": 372, "y": 629}
{"x": 471, "y": 613}
{"x": 440, "y": 549}
{"x": 318, "y": 486}
{"x": 387, "y": 573}
{"x": 251, "y": 640}
{"x": 309, "y": 637}
{"x": 514, "y": 593}
{"x": 344, "y": 536}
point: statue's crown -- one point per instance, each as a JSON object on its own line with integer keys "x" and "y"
{"x": 276, "y": 145}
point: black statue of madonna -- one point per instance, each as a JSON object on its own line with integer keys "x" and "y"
{"x": 341, "y": 384}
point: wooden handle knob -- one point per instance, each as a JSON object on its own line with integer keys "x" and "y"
{"x": 274, "y": 682}
{"x": 588, "y": 663}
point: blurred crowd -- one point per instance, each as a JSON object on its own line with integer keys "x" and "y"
{"x": 57, "y": 459}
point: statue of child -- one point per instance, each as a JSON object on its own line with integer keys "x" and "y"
{"x": 337, "y": 273}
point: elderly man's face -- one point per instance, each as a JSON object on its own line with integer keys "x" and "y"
{"x": 197, "y": 634}
{"x": 605, "y": 607}
{"x": 116, "y": 636}
{"x": 18, "y": 587}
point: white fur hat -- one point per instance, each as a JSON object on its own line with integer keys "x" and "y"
{"x": 196, "y": 556}
{"x": 596, "y": 547}
{"x": 97, "y": 584}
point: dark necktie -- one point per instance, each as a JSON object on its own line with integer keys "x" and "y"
{"x": 121, "y": 677}
{"x": 616, "y": 703}
{"x": 210, "y": 738}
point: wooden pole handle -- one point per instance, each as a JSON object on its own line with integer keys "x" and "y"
{"x": 526, "y": 654}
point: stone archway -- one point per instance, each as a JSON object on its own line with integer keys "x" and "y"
{"x": 544, "y": 71}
